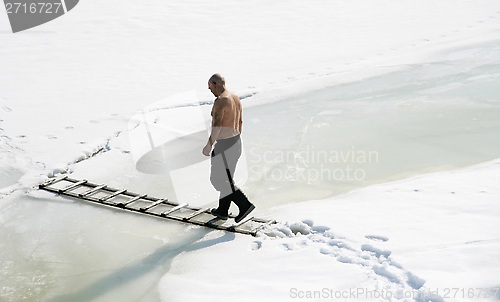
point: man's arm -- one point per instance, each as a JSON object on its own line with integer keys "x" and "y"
{"x": 217, "y": 117}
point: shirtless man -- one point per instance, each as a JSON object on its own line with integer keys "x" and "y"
{"x": 225, "y": 138}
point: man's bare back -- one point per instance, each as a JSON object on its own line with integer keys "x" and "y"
{"x": 226, "y": 114}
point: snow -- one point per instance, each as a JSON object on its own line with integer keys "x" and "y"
{"x": 94, "y": 93}
{"x": 436, "y": 242}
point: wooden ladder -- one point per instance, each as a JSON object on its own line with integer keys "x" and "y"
{"x": 152, "y": 206}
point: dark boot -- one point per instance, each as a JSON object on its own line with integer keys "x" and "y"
{"x": 243, "y": 204}
{"x": 222, "y": 212}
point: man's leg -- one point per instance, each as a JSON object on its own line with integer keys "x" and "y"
{"x": 219, "y": 180}
{"x": 230, "y": 158}
{"x": 222, "y": 211}
{"x": 223, "y": 165}
{"x": 244, "y": 205}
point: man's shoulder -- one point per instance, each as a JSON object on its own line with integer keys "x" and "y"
{"x": 234, "y": 95}
{"x": 222, "y": 100}
{"x": 227, "y": 99}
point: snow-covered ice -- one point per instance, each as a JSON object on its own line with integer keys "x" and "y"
{"x": 370, "y": 133}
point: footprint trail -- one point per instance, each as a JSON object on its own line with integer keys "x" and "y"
{"x": 376, "y": 262}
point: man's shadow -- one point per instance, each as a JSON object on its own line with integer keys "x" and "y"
{"x": 161, "y": 257}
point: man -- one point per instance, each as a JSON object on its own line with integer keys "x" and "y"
{"x": 225, "y": 137}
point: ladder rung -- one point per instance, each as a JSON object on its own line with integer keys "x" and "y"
{"x": 260, "y": 220}
{"x": 154, "y": 204}
{"x": 90, "y": 192}
{"x": 53, "y": 181}
{"x": 125, "y": 203}
{"x": 268, "y": 223}
{"x": 247, "y": 219}
{"x": 174, "y": 209}
{"x": 105, "y": 198}
{"x": 73, "y": 186}
{"x": 199, "y": 212}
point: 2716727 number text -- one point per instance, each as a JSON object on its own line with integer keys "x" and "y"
{"x": 33, "y": 8}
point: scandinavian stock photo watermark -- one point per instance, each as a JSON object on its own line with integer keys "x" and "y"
{"x": 311, "y": 164}
{"x": 362, "y": 293}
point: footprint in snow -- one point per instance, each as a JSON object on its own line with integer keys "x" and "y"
{"x": 340, "y": 244}
{"x": 377, "y": 238}
{"x": 256, "y": 245}
{"x": 376, "y": 251}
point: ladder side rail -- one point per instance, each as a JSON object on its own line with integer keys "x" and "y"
{"x": 50, "y": 189}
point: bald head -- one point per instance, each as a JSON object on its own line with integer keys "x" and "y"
{"x": 217, "y": 84}
{"x": 217, "y": 79}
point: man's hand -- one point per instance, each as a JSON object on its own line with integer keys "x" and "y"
{"x": 206, "y": 151}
